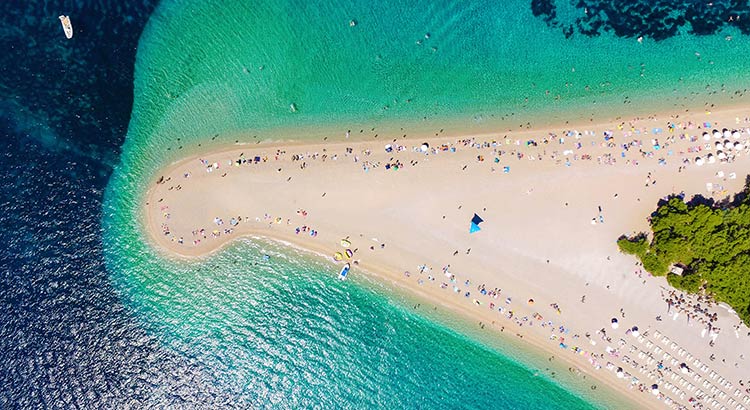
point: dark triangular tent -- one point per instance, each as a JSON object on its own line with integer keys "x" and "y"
{"x": 475, "y": 221}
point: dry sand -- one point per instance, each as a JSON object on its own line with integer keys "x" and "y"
{"x": 537, "y": 242}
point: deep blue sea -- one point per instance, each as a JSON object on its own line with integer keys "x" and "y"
{"x": 65, "y": 338}
{"x": 76, "y": 332}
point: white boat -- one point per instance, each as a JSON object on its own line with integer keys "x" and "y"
{"x": 344, "y": 271}
{"x": 67, "y": 27}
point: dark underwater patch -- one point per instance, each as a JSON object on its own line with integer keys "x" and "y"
{"x": 654, "y": 19}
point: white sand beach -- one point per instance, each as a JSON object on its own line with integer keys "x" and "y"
{"x": 545, "y": 265}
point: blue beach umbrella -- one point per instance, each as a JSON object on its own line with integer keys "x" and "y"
{"x": 475, "y": 221}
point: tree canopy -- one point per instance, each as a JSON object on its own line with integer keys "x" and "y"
{"x": 711, "y": 241}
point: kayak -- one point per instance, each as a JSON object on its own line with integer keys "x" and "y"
{"x": 344, "y": 271}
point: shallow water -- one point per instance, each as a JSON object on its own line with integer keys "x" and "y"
{"x": 411, "y": 64}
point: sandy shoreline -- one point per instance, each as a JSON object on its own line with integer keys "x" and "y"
{"x": 538, "y": 240}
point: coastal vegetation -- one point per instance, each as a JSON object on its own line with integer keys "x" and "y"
{"x": 702, "y": 246}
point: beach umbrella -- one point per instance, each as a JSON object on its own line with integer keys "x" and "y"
{"x": 425, "y": 146}
{"x": 388, "y": 148}
{"x": 711, "y": 158}
{"x": 684, "y": 368}
{"x": 615, "y": 324}
{"x": 738, "y": 146}
{"x": 634, "y": 331}
{"x": 698, "y": 161}
{"x": 717, "y": 134}
{"x": 718, "y": 145}
{"x": 727, "y": 133}
{"x": 620, "y": 373}
{"x": 728, "y": 144}
{"x": 531, "y": 301}
{"x": 721, "y": 155}
{"x": 655, "y": 389}
{"x": 736, "y": 134}
{"x": 706, "y": 136}
{"x": 475, "y": 221}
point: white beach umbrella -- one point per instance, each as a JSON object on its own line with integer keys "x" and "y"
{"x": 706, "y": 136}
{"x": 727, "y": 133}
{"x": 655, "y": 389}
{"x": 711, "y": 158}
{"x": 718, "y": 145}
{"x": 615, "y": 324}
{"x": 721, "y": 155}
{"x": 736, "y": 134}
{"x": 738, "y": 146}
{"x": 717, "y": 134}
{"x": 728, "y": 144}
{"x": 620, "y": 373}
{"x": 698, "y": 161}
{"x": 634, "y": 331}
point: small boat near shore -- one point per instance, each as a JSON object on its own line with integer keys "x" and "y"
{"x": 67, "y": 26}
{"x": 344, "y": 271}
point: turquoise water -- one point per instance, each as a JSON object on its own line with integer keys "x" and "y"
{"x": 285, "y": 333}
